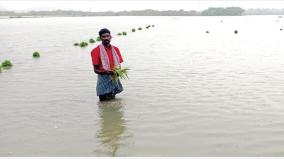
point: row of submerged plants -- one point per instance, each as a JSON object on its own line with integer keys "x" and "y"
{"x": 83, "y": 44}
{"x": 134, "y": 30}
{"x": 123, "y": 33}
{"x": 7, "y": 64}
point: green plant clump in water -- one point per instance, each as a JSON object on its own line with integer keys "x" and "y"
{"x": 92, "y": 40}
{"x": 76, "y": 44}
{"x": 153, "y": 25}
{"x": 124, "y": 33}
{"x": 99, "y": 39}
{"x": 7, "y": 64}
{"x": 119, "y": 34}
{"x": 148, "y": 26}
{"x": 36, "y": 54}
{"x": 119, "y": 73}
{"x": 133, "y": 30}
{"x": 139, "y": 28}
{"x": 83, "y": 44}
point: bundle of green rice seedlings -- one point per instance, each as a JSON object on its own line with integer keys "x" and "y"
{"x": 92, "y": 40}
{"x": 124, "y": 33}
{"x": 36, "y": 54}
{"x": 99, "y": 39}
{"x": 139, "y": 28}
{"x": 76, "y": 44}
{"x": 153, "y": 25}
{"x": 83, "y": 44}
{"x": 119, "y": 73}
{"x": 133, "y": 30}
{"x": 6, "y": 64}
{"x": 119, "y": 34}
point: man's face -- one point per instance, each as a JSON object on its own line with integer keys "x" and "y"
{"x": 106, "y": 37}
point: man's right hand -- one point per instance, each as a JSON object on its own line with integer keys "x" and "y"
{"x": 98, "y": 71}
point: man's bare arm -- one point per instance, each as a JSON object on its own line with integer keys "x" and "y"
{"x": 98, "y": 71}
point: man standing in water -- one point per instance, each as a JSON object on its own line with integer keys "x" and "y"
{"x": 105, "y": 58}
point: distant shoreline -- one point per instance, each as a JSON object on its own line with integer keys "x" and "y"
{"x": 228, "y": 11}
{"x": 21, "y": 17}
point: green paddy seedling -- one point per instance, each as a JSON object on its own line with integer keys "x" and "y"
{"x": 119, "y": 73}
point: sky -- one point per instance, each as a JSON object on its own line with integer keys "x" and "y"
{"x": 121, "y": 5}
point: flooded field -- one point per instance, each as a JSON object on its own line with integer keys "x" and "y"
{"x": 190, "y": 93}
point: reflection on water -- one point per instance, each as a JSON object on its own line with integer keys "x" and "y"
{"x": 112, "y": 126}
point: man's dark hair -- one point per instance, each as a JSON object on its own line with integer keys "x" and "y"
{"x": 103, "y": 31}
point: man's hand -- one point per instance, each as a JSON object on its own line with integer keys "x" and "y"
{"x": 98, "y": 71}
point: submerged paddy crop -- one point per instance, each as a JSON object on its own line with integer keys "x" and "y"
{"x": 36, "y": 54}
{"x": 92, "y": 40}
{"x": 83, "y": 44}
{"x": 6, "y": 64}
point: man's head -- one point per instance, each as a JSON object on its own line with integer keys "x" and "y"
{"x": 105, "y": 36}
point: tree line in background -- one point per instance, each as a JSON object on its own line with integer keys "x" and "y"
{"x": 220, "y": 11}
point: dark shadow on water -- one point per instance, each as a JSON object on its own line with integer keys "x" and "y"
{"x": 112, "y": 126}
